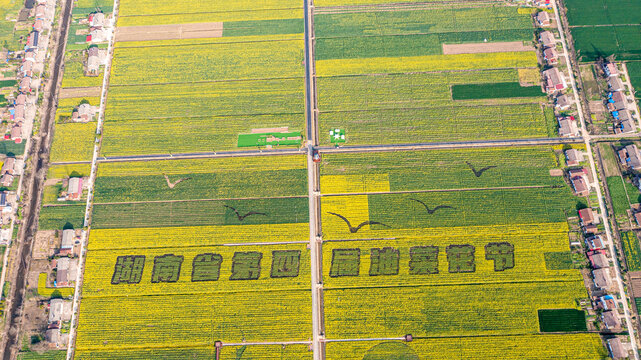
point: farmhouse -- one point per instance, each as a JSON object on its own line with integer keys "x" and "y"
{"x": 598, "y": 260}
{"x": 546, "y": 38}
{"x": 611, "y": 320}
{"x": 38, "y": 25}
{"x": 40, "y": 11}
{"x": 83, "y": 113}
{"x": 7, "y": 167}
{"x": 563, "y": 102}
{"x": 610, "y": 69}
{"x": 55, "y": 338}
{"x": 74, "y": 189}
{"x": 66, "y": 271}
{"x": 630, "y": 156}
{"x": 554, "y": 80}
{"x": 542, "y": 3}
{"x": 587, "y": 216}
{"x": 542, "y": 18}
{"x": 605, "y": 302}
{"x": 32, "y": 40}
{"x": 615, "y": 83}
{"x": 625, "y": 125}
{"x": 97, "y": 36}
{"x": 551, "y": 55}
{"x": 68, "y": 240}
{"x": 93, "y": 61}
{"x": 573, "y": 157}
{"x": 616, "y": 349}
{"x": 568, "y": 127}
{"x": 21, "y": 99}
{"x": 595, "y": 242}
{"x": 617, "y": 101}
{"x": 5, "y": 205}
{"x": 602, "y": 279}
{"x": 637, "y": 218}
{"x": 30, "y": 55}
{"x": 59, "y": 311}
{"x": 25, "y": 85}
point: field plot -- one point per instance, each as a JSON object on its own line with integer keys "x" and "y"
{"x": 474, "y": 348}
{"x": 258, "y": 352}
{"x": 634, "y": 72}
{"x": 73, "y": 142}
{"x": 385, "y": 77}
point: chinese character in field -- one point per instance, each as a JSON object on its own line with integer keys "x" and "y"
{"x": 383, "y": 261}
{"x": 460, "y": 258}
{"x": 128, "y": 269}
{"x": 206, "y": 267}
{"x": 166, "y": 268}
{"x": 246, "y": 265}
{"x": 423, "y": 260}
{"x": 285, "y": 263}
{"x": 502, "y": 253}
{"x": 345, "y": 262}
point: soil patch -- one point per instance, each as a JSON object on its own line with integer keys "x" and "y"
{"x": 80, "y": 92}
{"x": 451, "y": 49}
{"x": 170, "y": 32}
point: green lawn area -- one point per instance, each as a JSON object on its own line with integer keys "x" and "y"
{"x": 618, "y": 188}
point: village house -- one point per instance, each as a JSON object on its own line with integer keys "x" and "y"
{"x": 595, "y": 243}
{"x": 97, "y": 36}
{"x": 563, "y": 102}
{"x": 625, "y": 123}
{"x": 30, "y": 55}
{"x": 67, "y": 242}
{"x": 8, "y": 166}
{"x": 18, "y": 113}
{"x": 554, "y": 80}
{"x": 551, "y": 56}
{"x": 96, "y": 20}
{"x": 66, "y": 271}
{"x": 74, "y": 189}
{"x": 26, "y": 69}
{"x": 542, "y": 18}
{"x": 38, "y": 25}
{"x": 40, "y": 11}
{"x": 568, "y": 127}
{"x": 32, "y": 41}
{"x": 605, "y": 302}
{"x": 93, "y": 61}
{"x": 55, "y": 338}
{"x": 16, "y": 132}
{"x": 602, "y": 278}
{"x": 25, "y": 85}
{"x": 59, "y": 311}
{"x": 617, "y": 101}
{"x": 83, "y": 113}
{"x": 18, "y": 168}
{"x": 590, "y": 229}
{"x": 630, "y": 156}
{"x": 546, "y": 38}
{"x": 5, "y": 204}
{"x": 587, "y": 216}
{"x": 637, "y": 218}
{"x": 21, "y": 99}
{"x": 542, "y": 4}
{"x": 7, "y": 180}
{"x": 615, "y": 84}
{"x": 616, "y": 349}
{"x": 573, "y": 157}
{"x": 610, "y": 69}
{"x": 580, "y": 181}
{"x": 598, "y": 259}
{"x": 611, "y": 320}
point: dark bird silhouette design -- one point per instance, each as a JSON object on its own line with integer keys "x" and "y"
{"x": 432, "y": 211}
{"x": 242, "y": 217}
{"x": 352, "y": 229}
{"x": 478, "y": 173}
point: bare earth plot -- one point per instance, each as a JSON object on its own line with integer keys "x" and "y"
{"x": 516, "y": 46}
{"x": 170, "y": 32}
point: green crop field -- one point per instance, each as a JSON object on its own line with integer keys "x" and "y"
{"x": 603, "y": 12}
{"x": 59, "y": 217}
{"x": 632, "y": 250}
{"x": 562, "y": 320}
{"x": 73, "y": 142}
{"x": 74, "y": 73}
{"x": 620, "y": 191}
{"x": 493, "y": 91}
{"x": 634, "y": 72}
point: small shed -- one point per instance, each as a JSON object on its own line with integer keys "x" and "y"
{"x": 610, "y": 69}
{"x": 68, "y": 239}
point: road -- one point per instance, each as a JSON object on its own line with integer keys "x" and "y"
{"x": 40, "y": 157}
{"x": 602, "y": 207}
{"x": 343, "y": 149}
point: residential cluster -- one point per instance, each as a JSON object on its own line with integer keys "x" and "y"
{"x": 603, "y": 291}
{"x": 617, "y": 101}
{"x": 554, "y": 80}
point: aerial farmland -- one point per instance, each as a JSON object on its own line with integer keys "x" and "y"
{"x": 331, "y": 179}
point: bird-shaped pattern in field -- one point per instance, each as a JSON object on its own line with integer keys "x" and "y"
{"x": 353, "y": 229}
{"x": 242, "y": 217}
{"x": 478, "y": 173}
{"x": 172, "y": 185}
{"x": 432, "y": 211}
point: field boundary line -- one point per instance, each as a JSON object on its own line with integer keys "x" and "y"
{"x": 442, "y": 190}
{"x": 602, "y": 207}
